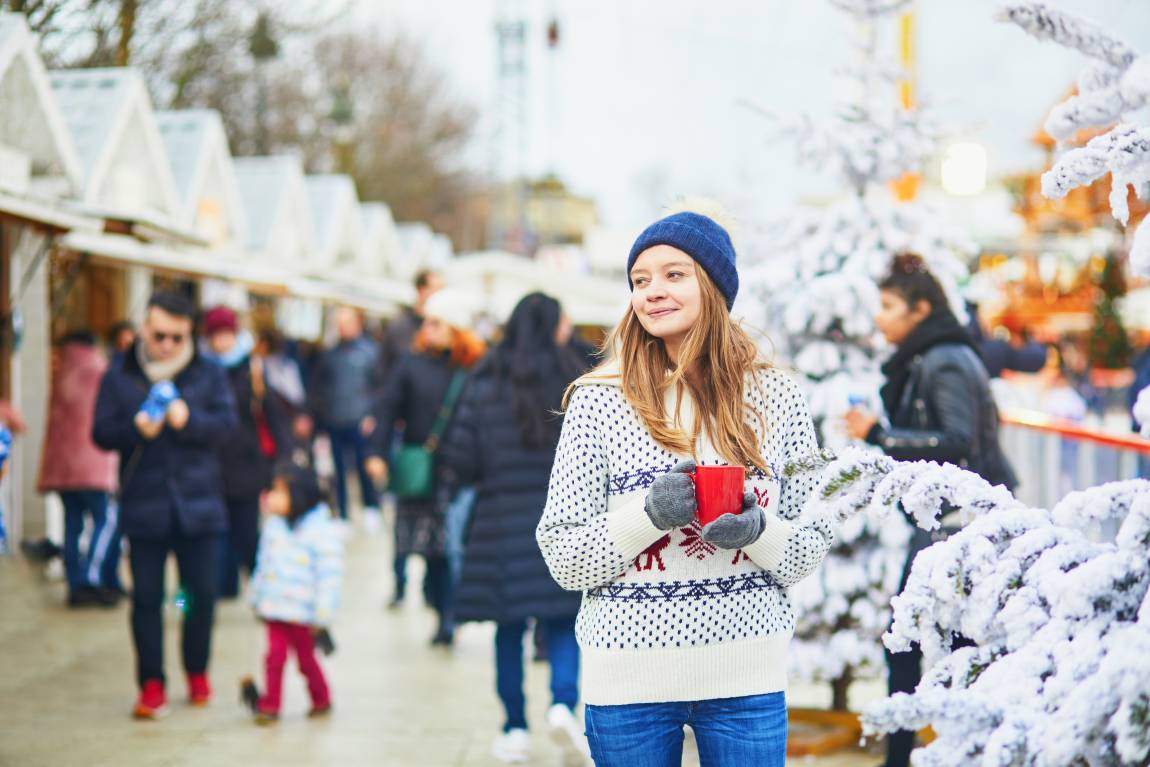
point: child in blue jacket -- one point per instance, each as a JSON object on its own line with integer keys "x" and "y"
{"x": 296, "y": 586}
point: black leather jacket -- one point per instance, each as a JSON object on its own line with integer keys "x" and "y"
{"x": 947, "y": 414}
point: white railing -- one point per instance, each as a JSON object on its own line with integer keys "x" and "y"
{"x": 1053, "y": 457}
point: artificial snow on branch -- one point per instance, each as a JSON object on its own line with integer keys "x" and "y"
{"x": 1069, "y": 31}
{"x": 1060, "y": 624}
{"x": 1142, "y": 407}
{"x": 1111, "y": 88}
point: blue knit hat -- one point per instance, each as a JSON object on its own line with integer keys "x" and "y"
{"x": 701, "y": 239}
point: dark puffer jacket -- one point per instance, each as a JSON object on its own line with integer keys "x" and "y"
{"x": 504, "y": 575}
{"x": 172, "y": 482}
{"x": 413, "y": 396}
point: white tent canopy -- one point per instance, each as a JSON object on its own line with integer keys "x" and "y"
{"x": 502, "y": 279}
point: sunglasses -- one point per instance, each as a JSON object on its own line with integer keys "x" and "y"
{"x": 176, "y": 338}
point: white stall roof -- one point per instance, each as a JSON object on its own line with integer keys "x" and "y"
{"x": 336, "y": 224}
{"x": 122, "y": 157}
{"x": 30, "y": 120}
{"x": 205, "y": 176}
{"x": 380, "y": 248}
{"x": 277, "y": 209}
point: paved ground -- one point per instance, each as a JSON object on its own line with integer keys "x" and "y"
{"x": 66, "y": 687}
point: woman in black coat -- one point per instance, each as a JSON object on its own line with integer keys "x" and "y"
{"x": 939, "y": 408}
{"x": 414, "y": 397}
{"x": 503, "y": 442}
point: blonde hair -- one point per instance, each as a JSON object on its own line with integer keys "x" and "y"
{"x": 714, "y": 362}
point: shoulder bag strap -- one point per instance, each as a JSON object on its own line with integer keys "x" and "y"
{"x": 454, "y": 390}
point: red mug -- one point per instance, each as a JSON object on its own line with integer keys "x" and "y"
{"x": 718, "y": 491}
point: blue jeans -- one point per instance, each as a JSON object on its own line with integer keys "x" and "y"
{"x": 97, "y": 567}
{"x": 345, "y": 439}
{"x": 456, "y": 520}
{"x": 562, "y": 653}
{"x": 728, "y": 731}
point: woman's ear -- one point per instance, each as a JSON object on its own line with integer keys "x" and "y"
{"x": 921, "y": 310}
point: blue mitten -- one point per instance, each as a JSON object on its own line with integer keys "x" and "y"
{"x": 163, "y": 394}
{"x": 734, "y": 531}
{"x": 671, "y": 499}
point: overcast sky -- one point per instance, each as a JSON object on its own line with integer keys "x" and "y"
{"x": 641, "y": 102}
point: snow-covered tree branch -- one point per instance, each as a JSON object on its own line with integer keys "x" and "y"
{"x": 1060, "y": 623}
{"x": 1142, "y": 411}
{"x": 1114, "y": 86}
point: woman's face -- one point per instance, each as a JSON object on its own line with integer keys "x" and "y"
{"x": 667, "y": 297}
{"x": 896, "y": 318}
{"x": 436, "y": 334}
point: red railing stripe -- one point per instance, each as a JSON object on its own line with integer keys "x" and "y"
{"x": 1028, "y": 419}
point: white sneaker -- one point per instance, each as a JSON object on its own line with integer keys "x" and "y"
{"x": 567, "y": 733}
{"x": 512, "y": 747}
{"x": 372, "y": 521}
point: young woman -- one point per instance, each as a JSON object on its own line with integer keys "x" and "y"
{"x": 939, "y": 408}
{"x": 422, "y": 393}
{"x": 682, "y": 624}
{"x": 502, "y": 441}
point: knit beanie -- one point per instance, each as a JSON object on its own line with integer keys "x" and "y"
{"x": 700, "y": 238}
{"x": 220, "y": 318}
{"x": 450, "y": 306}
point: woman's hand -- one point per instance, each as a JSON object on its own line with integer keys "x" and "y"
{"x": 671, "y": 499}
{"x": 376, "y": 468}
{"x": 734, "y": 531}
{"x": 859, "y": 423}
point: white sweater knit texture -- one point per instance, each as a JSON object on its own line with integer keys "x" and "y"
{"x": 667, "y": 616}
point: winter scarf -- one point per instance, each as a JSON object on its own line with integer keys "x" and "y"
{"x": 940, "y": 327}
{"x": 165, "y": 370}
{"x": 240, "y": 352}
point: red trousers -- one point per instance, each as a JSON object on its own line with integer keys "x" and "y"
{"x": 281, "y": 638}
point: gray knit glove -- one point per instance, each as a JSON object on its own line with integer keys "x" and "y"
{"x": 671, "y": 499}
{"x": 734, "y": 531}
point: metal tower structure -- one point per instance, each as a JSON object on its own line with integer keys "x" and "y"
{"x": 510, "y": 136}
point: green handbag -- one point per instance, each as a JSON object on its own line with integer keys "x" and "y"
{"x": 413, "y": 470}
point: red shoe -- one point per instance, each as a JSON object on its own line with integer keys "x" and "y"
{"x": 153, "y": 702}
{"x": 199, "y": 691}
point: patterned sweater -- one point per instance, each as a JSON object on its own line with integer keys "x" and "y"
{"x": 667, "y": 616}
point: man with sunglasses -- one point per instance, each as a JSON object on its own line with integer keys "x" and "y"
{"x": 171, "y": 491}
